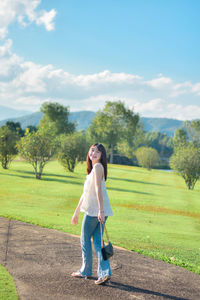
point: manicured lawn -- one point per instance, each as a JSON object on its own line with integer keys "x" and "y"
{"x": 154, "y": 213}
{"x": 7, "y": 285}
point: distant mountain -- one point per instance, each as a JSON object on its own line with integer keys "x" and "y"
{"x": 31, "y": 119}
{"x": 163, "y": 125}
{"x": 83, "y": 120}
{"x": 7, "y": 112}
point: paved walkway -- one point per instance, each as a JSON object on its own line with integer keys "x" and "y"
{"x": 41, "y": 261}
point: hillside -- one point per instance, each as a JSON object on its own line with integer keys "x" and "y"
{"x": 163, "y": 125}
{"x": 83, "y": 120}
{"x": 7, "y": 112}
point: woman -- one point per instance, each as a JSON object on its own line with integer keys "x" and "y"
{"x": 95, "y": 205}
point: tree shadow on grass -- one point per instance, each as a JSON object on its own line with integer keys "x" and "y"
{"x": 46, "y": 174}
{"x": 132, "y": 289}
{"x": 15, "y": 175}
{"x": 62, "y": 180}
{"x": 128, "y": 191}
{"x": 60, "y": 176}
{"x": 136, "y": 181}
{"x": 32, "y": 176}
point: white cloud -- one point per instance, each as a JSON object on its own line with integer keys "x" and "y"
{"x": 106, "y": 77}
{"x": 9, "y": 63}
{"x": 181, "y": 89}
{"x": 160, "y": 82}
{"x": 31, "y": 78}
{"x": 24, "y": 12}
{"x": 162, "y": 109}
{"x": 181, "y": 112}
{"x": 47, "y": 18}
{"x": 150, "y": 107}
{"x": 5, "y": 49}
{"x": 196, "y": 88}
{"x": 26, "y": 85}
{"x": 32, "y": 101}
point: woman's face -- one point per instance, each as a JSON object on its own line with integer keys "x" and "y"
{"x": 94, "y": 154}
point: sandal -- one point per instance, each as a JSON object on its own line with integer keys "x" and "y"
{"x": 78, "y": 274}
{"x": 102, "y": 280}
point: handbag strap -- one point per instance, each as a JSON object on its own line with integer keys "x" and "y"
{"x": 101, "y": 224}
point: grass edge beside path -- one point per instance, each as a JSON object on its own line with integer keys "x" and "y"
{"x": 7, "y": 285}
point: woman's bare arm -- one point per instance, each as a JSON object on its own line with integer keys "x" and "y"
{"x": 98, "y": 174}
{"x": 77, "y": 211}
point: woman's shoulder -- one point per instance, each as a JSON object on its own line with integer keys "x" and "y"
{"x": 98, "y": 166}
{"x": 98, "y": 170}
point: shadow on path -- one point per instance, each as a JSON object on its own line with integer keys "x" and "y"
{"x": 130, "y": 288}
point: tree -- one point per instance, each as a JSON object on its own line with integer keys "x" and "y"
{"x": 147, "y": 157}
{"x": 8, "y": 150}
{"x": 38, "y": 148}
{"x": 186, "y": 162}
{"x": 114, "y": 124}
{"x": 180, "y": 139}
{"x": 128, "y": 147}
{"x": 161, "y": 142}
{"x": 193, "y": 128}
{"x": 58, "y": 116}
{"x": 186, "y": 158}
{"x": 32, "y": 128}
{"x": 73, "y": 148}
{"x": 15, "y": 127}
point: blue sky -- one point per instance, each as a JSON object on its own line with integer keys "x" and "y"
{"x": 82, "y": 53}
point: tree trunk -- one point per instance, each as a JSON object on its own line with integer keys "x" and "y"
{"x": 111, "y": 154}
{"x": 37, "y": 175}
{"x": 4, "y": 162}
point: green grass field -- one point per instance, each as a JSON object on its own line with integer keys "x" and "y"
{"x": 7, "y": 286}
{"x": 154, "y": 213}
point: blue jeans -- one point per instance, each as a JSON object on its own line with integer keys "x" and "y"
{"x": 91, "y": 228}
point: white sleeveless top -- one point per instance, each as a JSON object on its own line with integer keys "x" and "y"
{"x": 90, "y": 201}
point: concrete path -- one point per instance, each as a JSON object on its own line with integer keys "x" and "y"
{"x": 41, "y": 261}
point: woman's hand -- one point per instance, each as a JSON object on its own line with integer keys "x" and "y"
{"x": 101, "y": 216}
{"x": 75, "y": 218}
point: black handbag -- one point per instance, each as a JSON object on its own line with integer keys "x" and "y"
{"x": 107, "y": 250}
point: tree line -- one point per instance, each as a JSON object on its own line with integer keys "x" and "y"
{"x": 116, "y": 126}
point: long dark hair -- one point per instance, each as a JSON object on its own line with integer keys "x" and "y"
{"x": 103, "y": 159}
